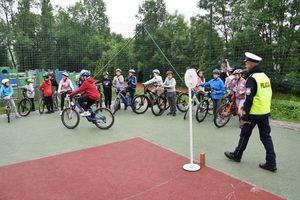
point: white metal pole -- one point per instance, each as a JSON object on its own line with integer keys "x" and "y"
{"x": 191, "y": 125}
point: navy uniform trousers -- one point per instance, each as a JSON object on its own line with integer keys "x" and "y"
{"x": 265, "y": 137}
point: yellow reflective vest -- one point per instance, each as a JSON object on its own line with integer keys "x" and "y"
{"x": 262, "y": 100}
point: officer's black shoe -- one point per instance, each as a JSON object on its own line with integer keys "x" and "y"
{"x": 265, "y": 166}
{"x": 231, "y": 156}
{"x": 170, "y": 113}
{"x": 174, "y": 114}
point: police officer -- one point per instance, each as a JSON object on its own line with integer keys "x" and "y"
{"x": 256, "y": 112}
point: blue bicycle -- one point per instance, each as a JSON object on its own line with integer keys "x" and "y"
{"x": 101, "y": 117}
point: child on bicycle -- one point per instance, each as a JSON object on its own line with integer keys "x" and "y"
{"x": 239, "y": 88}
{"x": 65, "y": 87}
{"x": 217, "y": 89}
{"x": 89, "y": 93}
{"x": 170, "y": 84}
{"x": 118, "y": 81}
{"x": 156, "y": 80}
{"x": 54, "y": 89}
{"x": 131, "y": 84}
{"x": 107, "y": 89}
{"x": 30, "y": 92}
{"x": 46, "y": 87}
{"x": 7, "y": 92}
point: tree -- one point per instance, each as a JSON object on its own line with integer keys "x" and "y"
{"x": 6, "y": 10}
{"x": 26, "y": 25}
{"x": 45, "y": 35}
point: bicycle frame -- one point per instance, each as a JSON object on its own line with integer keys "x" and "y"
{"x": 232, "y": 104}
{"x": 151, "y": 95}
{"x": 123, "y": 97}
{"x": 90, "y": 118}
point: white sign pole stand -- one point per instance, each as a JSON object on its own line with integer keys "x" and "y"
{"x": 191, "y": 81}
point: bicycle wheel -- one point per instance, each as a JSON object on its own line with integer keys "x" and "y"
{"x": 70, "y": 118}
{"x": 186, "y": 114}
{"x": 159, "y": 106}
{"x": 223, "y": 115}
{"x": 116, "y": 106}
{"x": 24, "y": 107}
{"x": 210, "y": 106}
{"x": 104, "y": 118}
{"x": 202, "y": 111}
{"x": 140, "y": 104}
{"x": 41, "y": 106}
{"x": 182, "y": 102}
{"x": 7, "y": 112}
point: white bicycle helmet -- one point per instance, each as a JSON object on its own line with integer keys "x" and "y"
{"x": 66, "y": 74}
{"x": 156, "y": 71}
{"x": 82, "y": 71}
{"x": 238, "y": 71}
{"x": 132, "y": 71}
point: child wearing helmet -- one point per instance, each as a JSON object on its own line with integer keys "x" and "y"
{"x": 80, "y": 78}
{"x": 170, "y": 84}
{"x": 46, "y": 87}
{"x": 131, "y": 84}
{"x": 239, "y": 88}
{"x": 89, "y": 93}
{"x": 118, "y": 81}
{"x": 217, "y": 89}
{"x": 106, "y": 83}
{"x": 65, "y": 87}
{"x": 30, "y": 92}
{"x": 156, "y": 80}
{"x": 54, "y": 89}
{"x": 7, "y": 92}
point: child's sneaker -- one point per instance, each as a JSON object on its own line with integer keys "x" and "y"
{"x": 17, "y": 116}
{"x": 85, "y": 114}
{"x": 60, "y": 113}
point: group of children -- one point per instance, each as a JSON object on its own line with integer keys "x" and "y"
{"x": 234, "y": 83}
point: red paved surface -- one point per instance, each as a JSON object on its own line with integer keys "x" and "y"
{"x": 132, "y": 169}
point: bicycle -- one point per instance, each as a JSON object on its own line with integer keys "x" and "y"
{"x": 203, "y": 107}
{"x": 7, "y": 109}
{"x": 157, "y": 102}
{"x": 149, "y": 99}
{"x": 225, "y": 111}
{"x": 25, "y": 105}
{"x": 100, "y": 117}
{"x": 182, "y": 102}
{"x": 196, "y": 99}
{"x": 121, "y": 97}
{"x": 100, "y": 102}
{"x": 42, "y": 104}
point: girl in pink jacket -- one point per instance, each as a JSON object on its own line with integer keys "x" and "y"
{"x": 239, "y": 87}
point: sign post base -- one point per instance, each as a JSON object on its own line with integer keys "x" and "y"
{"x": 191, "y": 167}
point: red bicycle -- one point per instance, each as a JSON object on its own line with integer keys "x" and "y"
{"x": 225, "y": 111}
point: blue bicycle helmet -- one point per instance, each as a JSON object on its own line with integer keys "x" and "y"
{"x": 86, "y": 74}
{"x": 216, "y": 71}
{"x": 156, "y": 71}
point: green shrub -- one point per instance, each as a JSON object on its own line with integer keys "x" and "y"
{"x": 287, "y": 110}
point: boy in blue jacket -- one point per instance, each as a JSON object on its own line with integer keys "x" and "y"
{"x": 217, "y": 89}
{"x": 132, "y": 82}
{"x": 7, "y": 92}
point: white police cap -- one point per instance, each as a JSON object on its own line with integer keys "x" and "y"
{"x": 252, "y": 57}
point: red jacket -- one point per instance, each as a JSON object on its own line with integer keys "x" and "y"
{"x": 47, "y": 87}
{"x": 88, "y": 88}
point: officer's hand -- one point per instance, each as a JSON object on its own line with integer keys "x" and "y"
{"x": 245, "y": 122}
